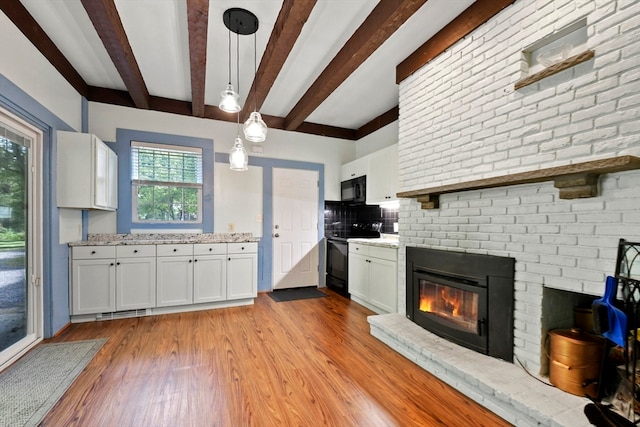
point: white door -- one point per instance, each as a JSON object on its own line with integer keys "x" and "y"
{"x": 21, "y": 309}
{"x": 295, "y": 228}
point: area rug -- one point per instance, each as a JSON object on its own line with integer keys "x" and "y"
{"x": 296, "y": 294}
{"x": 31, "y": 386}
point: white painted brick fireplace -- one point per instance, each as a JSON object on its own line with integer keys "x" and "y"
{"x": 461, "y": 119}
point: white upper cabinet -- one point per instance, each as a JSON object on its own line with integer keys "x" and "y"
{"x": 87, "y": 172}
{"x": 353, "y": 169}
{"x": 382, "y": 175}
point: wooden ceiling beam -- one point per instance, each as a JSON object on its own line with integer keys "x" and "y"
{"x": 473, "y": 17}
{"x": 198, "y": 24}
{"x": 378, "y": 123}
{"x": 286, "y": 30}
{"x": 381, "y": 23}
{"x": 106, "y": 20}
{"x": 22, "y": 19}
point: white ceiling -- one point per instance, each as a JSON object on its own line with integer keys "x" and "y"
{"x": 158, "y": 35}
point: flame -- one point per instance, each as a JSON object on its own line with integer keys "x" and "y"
{"x": 445, "y": 304}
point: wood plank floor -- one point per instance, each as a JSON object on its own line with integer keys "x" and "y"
{"x": 298, "y": 363}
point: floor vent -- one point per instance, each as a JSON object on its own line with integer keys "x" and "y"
{"x": 122, "y": 314}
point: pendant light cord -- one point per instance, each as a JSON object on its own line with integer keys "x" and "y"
{"x": 229, "y": 38}
{"x": 238, "y": 66}
{"x": 255, "y": 72}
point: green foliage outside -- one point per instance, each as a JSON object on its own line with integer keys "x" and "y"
{"x": 171, "y": 184}
{"x": 13, "y": 185}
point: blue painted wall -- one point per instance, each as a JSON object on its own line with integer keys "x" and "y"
{"x": 56, "y": 256}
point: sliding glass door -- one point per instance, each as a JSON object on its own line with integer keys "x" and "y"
{"x": 20, "y": 238}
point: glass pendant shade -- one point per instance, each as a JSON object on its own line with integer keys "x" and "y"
{"x": 255, "y": 129}
{"x": 229, "y": 101}
{"x": 238, "y": 158}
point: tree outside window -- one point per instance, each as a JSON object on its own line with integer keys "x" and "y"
{"x": 166, "y": 183}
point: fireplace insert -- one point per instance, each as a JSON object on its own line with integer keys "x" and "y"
{"x": 465, "y": 298}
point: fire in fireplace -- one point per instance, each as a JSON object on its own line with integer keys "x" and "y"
{"x": 465, "y": 298}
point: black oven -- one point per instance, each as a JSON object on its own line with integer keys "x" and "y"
{"x": 338, "y": 265}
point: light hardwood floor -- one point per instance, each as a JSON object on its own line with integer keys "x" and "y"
{"x": 298, "y": 363}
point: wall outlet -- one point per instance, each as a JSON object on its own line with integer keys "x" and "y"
{"x": 232, "y": 227}
{"x": 259, "y": 218}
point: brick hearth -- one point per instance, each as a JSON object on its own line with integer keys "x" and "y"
{"x": 502, "y": 387}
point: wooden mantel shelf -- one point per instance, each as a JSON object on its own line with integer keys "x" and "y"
{"x": 574, "y": 181}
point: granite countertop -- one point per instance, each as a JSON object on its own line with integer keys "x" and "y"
{"x": 163, "y": 238}
{"x": 382, "y": 242}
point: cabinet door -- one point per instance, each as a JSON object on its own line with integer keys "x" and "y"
{"x": 242, "y": 276}
{"x": 101, "y": 170}
{"x": 136, "y": 283}
{"x": 353, "y": 169}
{"x": 93, "y": 285}
{"x": 112, "y": 180}
{"x": 174, "y": 280}
{"x": 209, "y": 278}
{"x": 358, "y": 275}
{"x": 383, "y": 288}
{"x": 382, "y": 175}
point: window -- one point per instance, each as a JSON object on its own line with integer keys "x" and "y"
{"x": 166, "y": 183}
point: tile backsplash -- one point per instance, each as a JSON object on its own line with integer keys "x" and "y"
{"x": 338, "y": 217}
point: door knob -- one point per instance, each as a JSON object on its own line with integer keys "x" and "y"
{"x": 276, "y": 235}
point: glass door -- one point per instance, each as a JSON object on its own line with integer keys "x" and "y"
{"x": 20, "y": 294}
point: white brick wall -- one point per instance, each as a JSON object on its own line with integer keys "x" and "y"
{"x": 461, "y": 119}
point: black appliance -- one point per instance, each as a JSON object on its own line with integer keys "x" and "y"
{"x": 338, "y": 255}
{"x": 354, "y": 191}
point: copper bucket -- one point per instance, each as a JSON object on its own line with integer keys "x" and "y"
{"x": 576, "y": 361}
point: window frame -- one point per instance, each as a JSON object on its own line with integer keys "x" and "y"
{"x": 123, "y": 149}
{"x": 135, "y": 183}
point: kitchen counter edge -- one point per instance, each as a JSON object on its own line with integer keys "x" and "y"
{"x": 165, "y": 239}
{"x": 385, "y": 243}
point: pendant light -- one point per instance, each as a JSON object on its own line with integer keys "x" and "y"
{"x": 238, "y": 157}
{"x": 229, "y": 101}
{"x": 255, "y": 129}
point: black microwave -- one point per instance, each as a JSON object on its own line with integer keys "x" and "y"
{"x": 355, "y": 190}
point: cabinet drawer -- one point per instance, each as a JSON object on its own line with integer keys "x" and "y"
{"x": 93, "y": 252}
{"x": 209, "y": 248}
{"x": 175, "y": 250}
{"x": 135, "y": 251}
{"x": 383, "y": 253}
{"x": 244, "y": 247}
{"x": 358, "y": 248}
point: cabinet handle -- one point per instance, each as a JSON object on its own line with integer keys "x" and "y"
{"x": 189, "y": 260}
{"x": 111, "y": 264}
{"x": 195, "y": 260}
{"x": 228, "y": 259}
{"x": 175, "y": 250}
{"x": 135, "y": 251}
{"x": 242, "y": 248}
{"x": 117, "y": 263}
{"x": 93, "y": 252}
{"x": 210, "y": 249}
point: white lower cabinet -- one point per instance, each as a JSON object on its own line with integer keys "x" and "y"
{"x": 104, "y": 279}
{"x": 209, "y": 272}
{"x": 373, "y": 277}
{"x": 108, "y": 279}
{"x": 174, "y": 282}
{"x": 242, "y": 270}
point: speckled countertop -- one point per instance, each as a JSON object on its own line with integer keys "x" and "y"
{"x": 164, "y": 238}
{"x": 383, "y": 242}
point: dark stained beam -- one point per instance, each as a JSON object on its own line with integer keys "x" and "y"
{"x": 198, "y": 23}
{"x": 106, "y": 20}
{"x": 473, "y": 17}
{"x": 379, "y": 122}
{"x": 381, "y": 23}
{"x": 292, "y": 17}
{"x": 22, "y": 19}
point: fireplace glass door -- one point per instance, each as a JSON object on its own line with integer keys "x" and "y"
{"x": 455, "y": 305}
{"x": 454, "y": 308}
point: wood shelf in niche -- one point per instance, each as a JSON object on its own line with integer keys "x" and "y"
{"x": 578, "y": 180}
{"x": 555, "y": 68}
